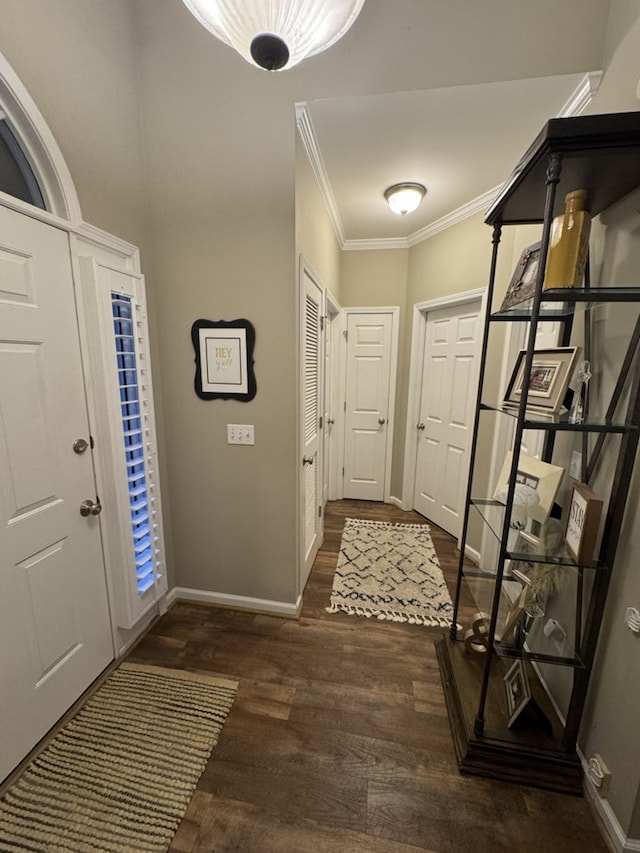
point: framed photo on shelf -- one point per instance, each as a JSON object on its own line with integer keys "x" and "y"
{"x": 522, "y": 569}
{"x": 514, "y": 615}
{"x": 517, "y": 689}
{"x": 583, "y": 523}
{"x": 523, "y": 282}
{"x": 542, "y": 476}
{"x": 551, "y": 372}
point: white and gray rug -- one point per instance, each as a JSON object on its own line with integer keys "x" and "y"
{"x": 390, "y": 571}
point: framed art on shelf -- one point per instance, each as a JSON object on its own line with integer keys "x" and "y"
{"x": 224, "y": 359}
{"x": 551, "y": 372}
{"x": 541, "y": 476}
{"x": 583, "y": 523}
{"x": 518, "y": 692}
{"x": 523, "y": 282}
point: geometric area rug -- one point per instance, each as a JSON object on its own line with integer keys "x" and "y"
{"x": 390, "y": 571}
{"x": 120, "y": 774}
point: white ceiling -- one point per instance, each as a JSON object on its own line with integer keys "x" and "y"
{"x": 460, "y": 142}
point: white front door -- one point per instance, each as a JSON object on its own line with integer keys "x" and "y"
{"x": 55, "y": 633}
{"x": 447, "y": 405}
{"x": 311, "y": 462}
{"x": 368, "y": 400}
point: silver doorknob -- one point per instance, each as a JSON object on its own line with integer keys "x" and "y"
{"x": 90, "y": 508}
{"x": 381, "y": 421}
{"x": 80, "y": 445}
{"x": 330, "y": 421}
{"x": 420, "y": 425}
{"x": 307, "y": 460}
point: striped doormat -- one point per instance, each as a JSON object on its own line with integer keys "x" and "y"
{"x": 119, "y": 776}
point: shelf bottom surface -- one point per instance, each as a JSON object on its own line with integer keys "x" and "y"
{"x": 525, "y": 754}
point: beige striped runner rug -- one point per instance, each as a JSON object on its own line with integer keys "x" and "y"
{"x": 390, "y": 571}
{"x": 119, "y": 776}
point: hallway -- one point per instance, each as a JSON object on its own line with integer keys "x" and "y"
{"x": 339, "y": 738}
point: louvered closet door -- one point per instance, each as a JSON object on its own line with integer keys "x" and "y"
{"x": 55, "y": 630}
{"x": 311, "y": 411}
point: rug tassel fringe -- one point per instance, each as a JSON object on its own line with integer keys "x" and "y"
{"x": 391, "y": 616}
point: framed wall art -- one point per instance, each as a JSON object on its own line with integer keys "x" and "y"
{"x": 523, "y": 282}
{"x": 224, "y": 359}
{"x": 583, "y": 523}
{"x": 551, "y": 372}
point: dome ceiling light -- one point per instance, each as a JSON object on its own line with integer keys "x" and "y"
{"x": 276, "y": 34}
{"x": 405, "y": 198}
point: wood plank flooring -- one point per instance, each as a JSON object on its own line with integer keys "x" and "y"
{"x": 339, "y": 738}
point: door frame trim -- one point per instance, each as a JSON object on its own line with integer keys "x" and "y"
{"x": 421, "y": 311}
{"x": 394, "y": 311}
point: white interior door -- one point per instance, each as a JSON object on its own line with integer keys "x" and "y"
{"x": 311, "y": 462}
{"x": 370, "y": 343}
{"x": 447, "y": 405}
{"x": 55, "y": 632}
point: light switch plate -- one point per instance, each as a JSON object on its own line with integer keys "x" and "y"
{"x": 240, "y": 434}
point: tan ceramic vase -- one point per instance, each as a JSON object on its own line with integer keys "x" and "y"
{"x": 569, "y": 243}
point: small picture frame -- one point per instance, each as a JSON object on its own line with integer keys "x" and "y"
{"x": 542, "y": 476}
{"x": 551, "y": 371}
{"x": 523, "y": 282}
{"x": 224, "y": 359}
{"x": 523, "y": 569}
{"x": 583, "y": 523}
{"x": 514, "y": 615}
{"x": 518, "y": 691}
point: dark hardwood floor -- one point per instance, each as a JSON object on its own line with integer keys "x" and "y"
{"x": 339, "y": 738}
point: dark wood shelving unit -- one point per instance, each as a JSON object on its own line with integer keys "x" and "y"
{"x": 601, "y": 154}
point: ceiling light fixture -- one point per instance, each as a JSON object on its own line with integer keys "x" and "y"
{"x": 275, "y": 35}
{"x": 405, "y": 198}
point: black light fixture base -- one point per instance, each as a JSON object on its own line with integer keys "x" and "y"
{"x": 269, "y": 51}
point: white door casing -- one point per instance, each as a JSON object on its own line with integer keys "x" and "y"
{"x": 332, "y": 418}
{"x": 447, "y": 406}
{"x": 311, "y": 457}
{"x": 371, "y": 357}
{"x": 55, "y": 631}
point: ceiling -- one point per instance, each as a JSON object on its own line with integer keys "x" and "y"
{"x": 461, "y": 142}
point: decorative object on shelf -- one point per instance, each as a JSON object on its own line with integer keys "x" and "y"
{"x": 475, "y": 637}
{"x": 405, "y": 198}
{"x": 568, "y": 243}
{"x": 523, "y": 282}
{"x": 520, "y": 568}
{"x": 582, "y": 377}
{"x": 551, "y": 372}
{"x": 224, "y": 359}
{"x": 276, "y": 35}
{"x": 541, "y": 476}
{"x": 519, "y": 698}
{"x": 583, "y": 522}
{"x": 517, "y": 690}
{"x": 514, "y": 616}
{"x": 524, "y": 496}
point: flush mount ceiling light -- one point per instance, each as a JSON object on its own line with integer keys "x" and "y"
{"x": 404, "y": 198}
{"x": 275, "y": 34}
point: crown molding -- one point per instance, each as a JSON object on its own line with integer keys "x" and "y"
{"x": 576, "y": 104}
{"x": 584, "y": 93}
{"x": 312, "y": 149}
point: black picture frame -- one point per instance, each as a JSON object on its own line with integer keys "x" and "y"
{"x": 224, "y": 359}
{"x": 523, "y": 282}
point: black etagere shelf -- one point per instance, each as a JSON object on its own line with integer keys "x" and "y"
{"x": 600, "y": 153}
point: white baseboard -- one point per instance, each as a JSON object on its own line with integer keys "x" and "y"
{"x": 236, "y": 602}
{"x": 610, "y": 823}
{"x": 473, "y": 554}
{"x": 396, "y": 502}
